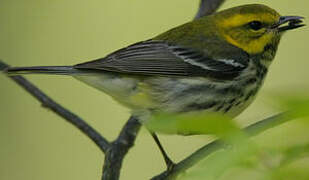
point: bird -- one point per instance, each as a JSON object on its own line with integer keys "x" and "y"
{"x": 216, "y": 63}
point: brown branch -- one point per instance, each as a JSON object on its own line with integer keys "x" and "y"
{"x": 49, "y": 103}
{"x": 208, "y": 7}
{"x": 214, "y": 146}
{"x": 120, "y": 147}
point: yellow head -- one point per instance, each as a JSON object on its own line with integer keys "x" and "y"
{"x": 253, "y": 27}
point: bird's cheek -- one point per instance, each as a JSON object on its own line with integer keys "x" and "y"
{"x": 256, "y": 46}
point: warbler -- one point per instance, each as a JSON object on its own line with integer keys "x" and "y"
{"x": 216, "y": 63}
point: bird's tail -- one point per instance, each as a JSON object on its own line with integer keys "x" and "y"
{"x": 58, "y": 70}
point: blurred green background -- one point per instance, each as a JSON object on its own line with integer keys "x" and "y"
{"x": 36, "y": 144}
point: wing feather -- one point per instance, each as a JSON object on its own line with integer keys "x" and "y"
{"x": 160, "y": 58}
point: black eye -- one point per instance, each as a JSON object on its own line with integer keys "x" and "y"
{"x": 255, "y": 25}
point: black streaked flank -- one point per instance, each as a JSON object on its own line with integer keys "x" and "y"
{"x": 219, "y": 107}
{"x": 250, "y": 81}
{"x": 198, "y": 89}
{"x": 232, "y": 101}
{"x": 228, "y": 108}
{"x": 250, "y": 94}
{"x": 238, "y": 103}
{"x": 231, "y": 90}
{"x": 199, "y": 106}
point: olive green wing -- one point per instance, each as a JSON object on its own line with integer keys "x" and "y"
{"x": 158, "y": 58}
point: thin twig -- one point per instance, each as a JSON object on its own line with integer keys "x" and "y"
{"x": 214, "y": 146}
{"x": 72, "y": 118}
{"x": 120, "y": 147}
{"x": 208, "y": 7}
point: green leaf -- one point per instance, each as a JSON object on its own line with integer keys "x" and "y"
{"x": 193, "y": 123}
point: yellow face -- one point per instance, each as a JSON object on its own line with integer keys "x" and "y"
{"x": 249, "y": 27}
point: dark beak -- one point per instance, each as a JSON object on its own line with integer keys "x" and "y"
{"x": 292, "y": 22}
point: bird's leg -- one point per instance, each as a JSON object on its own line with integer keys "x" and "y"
{"x": 169, "y": 163}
